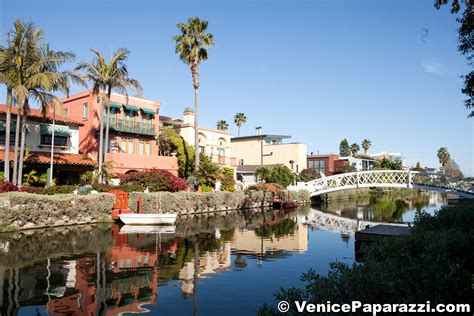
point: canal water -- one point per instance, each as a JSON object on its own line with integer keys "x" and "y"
{"x": 211, "y": 265}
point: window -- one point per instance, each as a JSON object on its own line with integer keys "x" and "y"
{"x": 85, "y": 111}
{"x": 317, "y": 165}
{"x": 3, "y": 136}
{"x": 202, "y": 149}
{"x": 58, "y": 140}
{"x": 112, "y": 145}
{"x": 127, "y": 146}
{"x": 144, "y": 148}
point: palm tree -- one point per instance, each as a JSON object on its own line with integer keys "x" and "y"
{"x": 443, "y": 156}
{"x": 354, "y": 149}
{"x": 366, "y": 143}
{"x": 239, "y": 120}
{"x": 222, "y": 125}
{"x": 106, "y": 77}
{"x": 191, "y": 45}
{"x": 33, "y": 77}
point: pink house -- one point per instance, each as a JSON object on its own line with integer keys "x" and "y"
{"x": 134, "y": 126}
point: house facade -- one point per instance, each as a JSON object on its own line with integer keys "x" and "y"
{"x": 330, "y": 164}
{"x": 212, "y": 142}
{"x": 134, "y": 126}
{"x": 68, "y": 162}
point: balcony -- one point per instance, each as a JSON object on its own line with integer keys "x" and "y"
{"x": 126, "y": 126}
{"x": 224, "y": 160}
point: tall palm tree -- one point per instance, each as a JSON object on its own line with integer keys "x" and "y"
{"x": 222, "y": 125}
{"x": 105, "y": 77}
{"x": 239, "y": 120}
{"x": 191, "y": 45}
{"x": 443, "y": 156}
{"x": 366, "y": 143}
{"x": 355, "y": 149}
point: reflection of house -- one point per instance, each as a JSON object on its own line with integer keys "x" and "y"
{"x": 212, "y": 142}
{"x": 247, "y": 241}
{"x": 67, "y": 159}
{"x": 134, "y": 125}
{"x": 213, "y": 262}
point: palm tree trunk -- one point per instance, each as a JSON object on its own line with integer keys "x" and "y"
{"x": 22, "y": 148}
{"x": 15, "y": 152}
{"x": 6, "y": 167}
{"x": 196, "y": 275}
{"x": 195, "y": 73}
{"x": 52, "y": 150}
{"x": 107, "y": 125}
{"x": 238, "y": 131}
{"x": 101, "y": 135}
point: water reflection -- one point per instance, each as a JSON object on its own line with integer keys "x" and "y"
{"x": 386, "y": 208}
{"x": 94, "y": 270}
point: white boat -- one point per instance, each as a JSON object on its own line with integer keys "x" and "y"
{"x": 147, "y": 229}
{"x": 148, "y": 219}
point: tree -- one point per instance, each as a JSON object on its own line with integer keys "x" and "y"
{"x": 418, "y": 167}
{"x": 344, "y": 148}
{"x": 355, "y": 149}
{"x": 466, "y": 44}
{"x": 228, "y": 181}
{"x": 366, "y": 143}
{"x": 33, "y": 77}
{"x": 191, "y": 45}
{"x": 222, "y": 125}
{"x": 171, "y": 143}
{"x": 452, "y": 169}
{"x": 208, "y": 171}
{"x": 279, "y": 174}
{"x": 105, "y": 77}
{"x": 307, "y": 175}
{"x": 239, "y": 120}
{"x": 443, "y": 156}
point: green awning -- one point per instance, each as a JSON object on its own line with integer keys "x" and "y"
{"x": 131, "y": 107}
{"x": 115, "y": 105}
{"x": 59, "y": 130}
{"x": 3, "y": 126}
{"x": 148, "y": 111}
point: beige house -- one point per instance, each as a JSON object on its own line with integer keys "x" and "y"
{"x": 265, "y": 150}
{"x": 212, "y": 142}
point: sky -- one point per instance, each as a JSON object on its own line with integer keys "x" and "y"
{"x": 319, "y": 71}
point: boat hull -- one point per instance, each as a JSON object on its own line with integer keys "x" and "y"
{"x": 148, "y": 219}
{"x": 147, "y": 229}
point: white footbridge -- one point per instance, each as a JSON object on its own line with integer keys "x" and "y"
{"x": 429, "y": 181}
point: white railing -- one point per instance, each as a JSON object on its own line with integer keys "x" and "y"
{"x": 388, "y": 178}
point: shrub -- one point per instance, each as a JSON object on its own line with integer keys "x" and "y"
{"x": 206, "y": 188}
{"x": 208, "y": 171}
{"x": 272, "y": 187}
{"x": 307, "y": 175}
{"x": 155, "y": 180}
{"x": 7, "y": 186}
{"x": 228, "y": 181}
{"x": 60, "y": 189}
{"x": 278, "y": 174}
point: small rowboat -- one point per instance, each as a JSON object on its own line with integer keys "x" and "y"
{"x": 147, "y": 229}
{"x": 148, "y": 219}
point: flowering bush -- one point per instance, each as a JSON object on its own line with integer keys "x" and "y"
{"x": 7, "y": 186}
{"x": 155, "y": 180}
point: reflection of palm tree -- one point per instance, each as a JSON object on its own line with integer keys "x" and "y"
{"x": 196, "y": 274}
{"x": 240, "y": 262}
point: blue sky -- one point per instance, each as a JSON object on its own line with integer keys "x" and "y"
{"x": 317, "y": 70}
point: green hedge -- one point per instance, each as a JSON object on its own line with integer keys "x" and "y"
{"x": 24, "y": 210}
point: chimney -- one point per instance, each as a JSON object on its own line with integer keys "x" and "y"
{"x": 188, "y": 116}
{"x": 258, "y": 130}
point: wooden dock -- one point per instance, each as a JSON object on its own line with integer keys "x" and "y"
{"x": 379, "y": 231}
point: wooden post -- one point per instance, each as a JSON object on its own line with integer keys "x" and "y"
{"x": 139, "y": 204}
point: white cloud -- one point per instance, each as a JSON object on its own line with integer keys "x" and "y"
{"x": 432, "y": 67}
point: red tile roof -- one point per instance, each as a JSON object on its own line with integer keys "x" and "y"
{"x": 36, "y": 114}
{"x": 59, "y": 159}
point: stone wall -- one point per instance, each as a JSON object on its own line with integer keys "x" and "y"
{"x": 20, "y": 210}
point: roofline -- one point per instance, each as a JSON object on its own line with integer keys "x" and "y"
{"x": 43, "y": 118}
{"x": 263, "y": 136}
